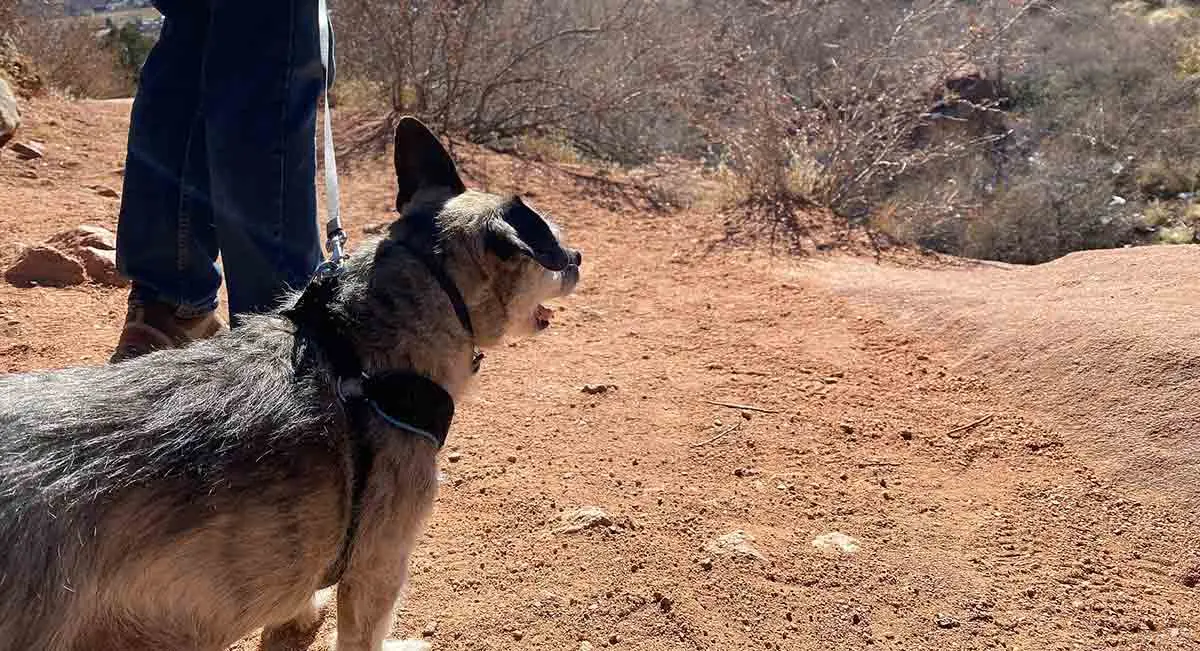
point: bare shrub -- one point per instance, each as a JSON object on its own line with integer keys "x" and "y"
{"x": 1101, "y": 124}
{"x": 599, "y": 73}
{"x": 70, "y": 56}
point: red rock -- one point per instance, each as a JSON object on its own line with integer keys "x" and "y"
{"x": 27, "y": 150}
{"x": 84, "y": 237}
{"x": 101, "y": 266}
{"x": 45, "y": 265}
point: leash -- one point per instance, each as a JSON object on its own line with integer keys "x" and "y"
{"x": 335, "y": 237}
{"x": 406, "y": 401}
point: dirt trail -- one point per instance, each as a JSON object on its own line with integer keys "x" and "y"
{"x": 1063, "y": 519}
{"x": 1102, "y": 342}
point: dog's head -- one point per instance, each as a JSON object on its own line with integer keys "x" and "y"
{"x": 505, "y": 257}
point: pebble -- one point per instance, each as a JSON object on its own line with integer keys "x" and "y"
{"x": 587, "y": 517}
{"x": 737, "y": 544}
{"x": 837, "y": 542}
{"x": 28, "y": 150}
{"x": 945, "y": 621}
{"x": 106, "y": 192}
{"x": 596, "y": 389}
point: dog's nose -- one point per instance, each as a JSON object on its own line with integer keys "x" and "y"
{"x": 576, "y": 257}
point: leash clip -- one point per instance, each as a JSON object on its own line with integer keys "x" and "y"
{"x": 334, "y": 244}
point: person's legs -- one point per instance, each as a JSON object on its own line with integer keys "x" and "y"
{"x": 262, "y": 79}
{"x": 166, "y": 244}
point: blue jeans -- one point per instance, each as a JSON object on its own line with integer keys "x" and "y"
{"x": 222, "y": 157}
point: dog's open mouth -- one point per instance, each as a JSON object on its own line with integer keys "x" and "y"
{"x": 542, "y": 316}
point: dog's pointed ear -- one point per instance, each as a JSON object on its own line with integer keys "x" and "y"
{"x": 521, "y": 230}
{"x": 421, "y": 162}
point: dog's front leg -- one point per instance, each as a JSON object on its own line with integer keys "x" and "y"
{"x": 365, "y": 600}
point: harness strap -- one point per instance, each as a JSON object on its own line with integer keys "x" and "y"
{"x": 405, "y": 400}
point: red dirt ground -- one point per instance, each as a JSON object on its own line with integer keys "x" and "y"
{"x": 1064, "y": 517}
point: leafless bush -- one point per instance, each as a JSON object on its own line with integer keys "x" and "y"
{"x": 992, "y": 128}
{"x": 8, "y": 12}
{"x": 69, "y": 56}
{"x": 598, "y": 73}
{"x": 1101, "y": 122}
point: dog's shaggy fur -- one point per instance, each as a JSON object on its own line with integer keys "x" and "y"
{"x": 183, "y": 499}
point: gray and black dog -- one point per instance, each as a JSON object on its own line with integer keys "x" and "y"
{"x": 184, "y": 499}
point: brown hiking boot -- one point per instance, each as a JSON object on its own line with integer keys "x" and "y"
{"x": 155, "y": 326}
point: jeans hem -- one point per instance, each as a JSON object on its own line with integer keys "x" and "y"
{"x": 141, "y": 295}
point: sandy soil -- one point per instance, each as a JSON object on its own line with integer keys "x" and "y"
{"x": 1016, "y": 450}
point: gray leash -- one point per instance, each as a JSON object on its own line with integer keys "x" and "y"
{"x": 335, "y": 237}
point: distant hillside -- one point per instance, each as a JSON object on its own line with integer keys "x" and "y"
{"x": 78, "y": 7}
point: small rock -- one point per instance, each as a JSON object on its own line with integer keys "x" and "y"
{"x": 596, "y": 389}
{"x": 1191, "y": 577}
{"x": 836, "y": 542}
{"x": 518, "y": 635}
{"x": 106, "y": 192}
{"x": 454, "y": 457}
{"x": 585, "y": 646}
{"x": 588, "y": 517}
{"x": 829, "y": 380}
{"x": 94, "y": 237}
{"x": 512, "y": 458}
{"x": 736, "y": 544}
{"x": 430, "y": 629}
{"x": 846, "y": 428}
{"x": 613, "y": 639}
{"x": 945, "y": 621}
{"x": 101, "y": 266}
{"x": 28, "y": 150}
{"x": 906, "y": 435}
{"x": 706, "y": 563}
{"x": 45, "y": 265}
{"x": 10, "y": 117}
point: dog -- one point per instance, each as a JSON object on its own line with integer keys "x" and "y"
{"x": 186, "y": 498}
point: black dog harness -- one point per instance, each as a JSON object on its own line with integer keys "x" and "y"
{"x": 407, "y": 401}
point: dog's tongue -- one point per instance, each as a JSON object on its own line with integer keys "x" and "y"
{"x": 543, "y": 315}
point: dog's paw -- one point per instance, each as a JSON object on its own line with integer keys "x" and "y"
{"x": 407, "y": 645}
{"x": 302, "y": 630}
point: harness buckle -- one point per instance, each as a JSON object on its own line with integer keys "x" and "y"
{"x": 350, "y": 388}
